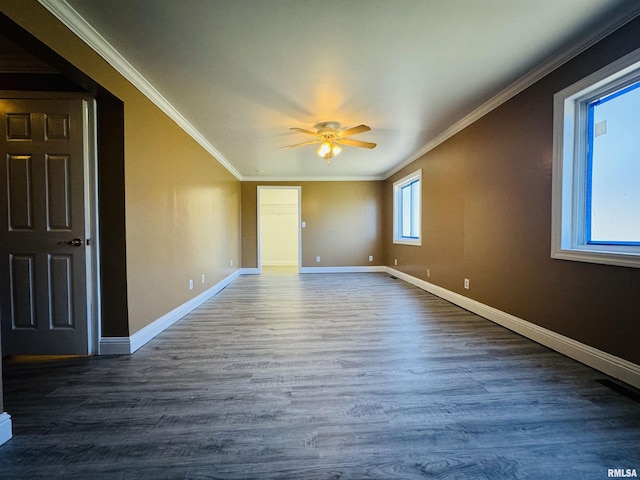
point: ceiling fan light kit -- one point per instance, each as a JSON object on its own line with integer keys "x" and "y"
{"x": 328, "y": 150}
{"x": 331, "y": 139}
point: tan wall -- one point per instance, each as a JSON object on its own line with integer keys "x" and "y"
{"x": 182, "y": 207}
{"x": 344, "y": 223}
{"x": 182, "y": 216}
{"x": 487, "y": 217}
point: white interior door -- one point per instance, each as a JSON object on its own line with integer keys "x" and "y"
{"x": 43, "y": 284}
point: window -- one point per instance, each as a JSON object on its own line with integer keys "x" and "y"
{"x": 596, "y": 167}
{"x": 613, "y": 168}
{"x": 407, "y": 209}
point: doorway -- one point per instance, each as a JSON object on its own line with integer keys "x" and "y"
{"x": 279, "y": 233}
{"x": 48, "y": 209}
{"x": 48, "y": 72}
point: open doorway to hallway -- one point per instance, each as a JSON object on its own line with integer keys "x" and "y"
{"x": 279, "y": 236}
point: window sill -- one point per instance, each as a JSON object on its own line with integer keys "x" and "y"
{"x": 604, "y": 258}
{"x": 415, "y": 243}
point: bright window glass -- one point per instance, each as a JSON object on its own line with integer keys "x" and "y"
{"x": 614, "y": 168}
{"x": 407, "y": 209}
{"x": 410, "y": 210}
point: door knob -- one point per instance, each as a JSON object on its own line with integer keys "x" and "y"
{"x": 76, "y": 242}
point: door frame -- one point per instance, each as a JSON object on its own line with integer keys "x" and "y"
{"x": 92, "y": 276}
{"x": 259, "y": 232}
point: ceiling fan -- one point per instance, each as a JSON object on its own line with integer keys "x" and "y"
{"x": 330, "y": 137}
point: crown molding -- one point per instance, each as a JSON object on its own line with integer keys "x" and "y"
{"x": 83, "y": 30}
{"x": 372, "y": 178}
{"x": 520, "y": 85}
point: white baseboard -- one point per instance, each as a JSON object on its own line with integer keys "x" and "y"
{"x": 360, "y": 269}
{"x": 280, "y": 263}
{"x": 5, "y": 427}
{"x": 115, "y": 346}
{"x": 250, "y": 271}
{"x": 602, "y": 361}
{"x": 128, "y": 345}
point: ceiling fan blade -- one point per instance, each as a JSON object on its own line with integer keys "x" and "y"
{"x": 353, "y": 131}
{"x": 355, "y": 143}
{"x": 302, "y": 130}
{"x": 312, "y": 142}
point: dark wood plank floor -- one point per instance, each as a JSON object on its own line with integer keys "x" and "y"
{"x": 353, "y": 376}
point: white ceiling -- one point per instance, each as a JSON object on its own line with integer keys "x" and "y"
{"x": 242, "y": 72}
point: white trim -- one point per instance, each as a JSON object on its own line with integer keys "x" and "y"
{"x": 250, "y": 271}
{"x": 353, "y": 178}
{"x": 280, "y": 263}
{"x": 360, "y": 269}
{"x": 128, "y": 345}
{"x": 79, "y": 26}
{"x": 115, "y": 346}
{"x": 602, "y": 361}
{"x": 91, "y": 209}
{"x": 5, "y": 427}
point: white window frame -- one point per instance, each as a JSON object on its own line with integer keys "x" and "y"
{"x": 397, "y": 209}
{"x": 568, "y": 235}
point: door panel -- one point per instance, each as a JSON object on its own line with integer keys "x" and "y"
{"x": 43, "y": 295}
{"x": 61, "y": 284}
{"x": 19, "y": 185}
{"x": 22, "y": 287}
{"x": 58, "y": 192}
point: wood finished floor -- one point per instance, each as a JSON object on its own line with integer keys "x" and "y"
{"x": 353, "y": 376}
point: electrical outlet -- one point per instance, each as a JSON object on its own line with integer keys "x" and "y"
{"x": 317, "y": 259}
{"x": 371, "y": 258}
{"x": 191, "y": 284}
{"x": 428, "y": 272}
{"x": 203, "y": 278}
{"x": 466, "y": 283}
{"x": 395, "y": 262}
{"x": 231, "y": 262}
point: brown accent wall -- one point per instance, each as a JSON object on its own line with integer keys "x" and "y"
{"x": 175, "y": 209}
{"x": 344, "y": 223}
{"x": 487, "y": 217}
